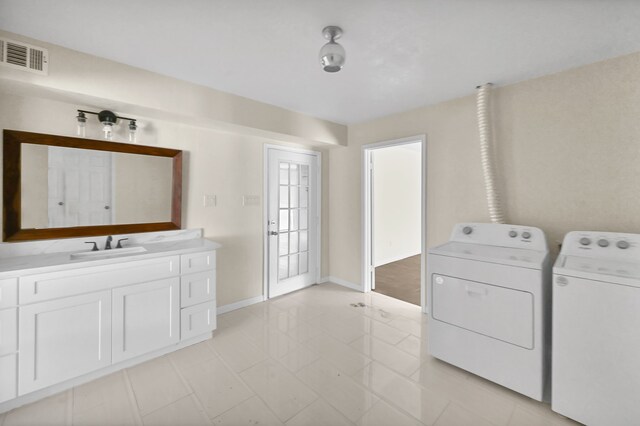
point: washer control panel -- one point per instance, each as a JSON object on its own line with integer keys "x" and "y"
{"x": 602, "y": 244}
{"x": 501, "y": 235}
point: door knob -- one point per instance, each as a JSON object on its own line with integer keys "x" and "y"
{"x": 107, "y": 207}
{"x": 273, "y": 233}
{"x": 60, "y": 203}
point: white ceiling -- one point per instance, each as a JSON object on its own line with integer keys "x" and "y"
{"x": 401, "y": 54}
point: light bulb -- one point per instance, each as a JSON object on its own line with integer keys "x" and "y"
{"x": 107, "y": 130}
{"x": 81, "y": 125}
{"x": 332, "y": 57}
{"x": 133, "y": 131}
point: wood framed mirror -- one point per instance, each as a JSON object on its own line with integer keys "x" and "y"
{"x": 63, "y": 187}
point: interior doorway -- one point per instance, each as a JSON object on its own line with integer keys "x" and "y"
{"x": 394, "y": 218}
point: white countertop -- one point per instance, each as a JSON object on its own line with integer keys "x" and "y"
{"x": 39, "y": 263}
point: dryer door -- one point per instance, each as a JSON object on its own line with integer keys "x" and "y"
{"x": 498, "y": 312}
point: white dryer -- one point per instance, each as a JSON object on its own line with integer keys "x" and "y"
{"x": 488, "y": 296}
{"x": 596, "y": 328}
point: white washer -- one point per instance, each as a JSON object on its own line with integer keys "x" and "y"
{"x": 596, "y": 328}
{"x": 489, "y": 304}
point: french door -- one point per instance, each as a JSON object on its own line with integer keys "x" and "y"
{"x": 292, "y": 220}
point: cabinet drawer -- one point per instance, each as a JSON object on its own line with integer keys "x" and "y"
{"x": 8, "y": 330}
{"x": 9, "y": 374}
{"x": 8, "y": 292}
{"x": 36, "y": 288}
{"x": 196, "y": 262}
{"x": 198, "y": 319}
{"x": 197, "y": 288}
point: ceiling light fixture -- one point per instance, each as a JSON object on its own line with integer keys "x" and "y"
{"x": 108, "y": 120}
{"x": 332, "y": 54}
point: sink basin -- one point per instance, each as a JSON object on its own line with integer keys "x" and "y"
{"x": 107, "y": 253}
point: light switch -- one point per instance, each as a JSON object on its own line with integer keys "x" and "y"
{"x": 209, "y": 200}
{"x": 250, "y": 200}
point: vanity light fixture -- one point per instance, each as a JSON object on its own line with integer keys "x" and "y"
{"x": 332, "y": 54}
{"x": 108, "y": 119}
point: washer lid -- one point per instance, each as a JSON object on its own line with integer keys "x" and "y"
{"x": 522, "y": 258}
{"x": 615, "y": 271}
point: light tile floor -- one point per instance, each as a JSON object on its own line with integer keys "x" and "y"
{"x": 307, "y": 358}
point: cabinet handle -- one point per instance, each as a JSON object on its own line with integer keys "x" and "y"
{"x": 476, "y": 291}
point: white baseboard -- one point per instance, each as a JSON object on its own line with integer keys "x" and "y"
{"x": 340, "y": 281}
{"x": 241, "y": 304}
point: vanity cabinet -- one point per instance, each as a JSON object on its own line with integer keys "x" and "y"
{"x": 64, "y": 338}
{"x": 145, "y": 318}
{"x": 65, "y": 326}
{"x": 8, "y": 338}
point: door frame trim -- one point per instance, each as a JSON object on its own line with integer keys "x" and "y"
{"x": 367, "y": 212}
{"x": 265, "y": 211}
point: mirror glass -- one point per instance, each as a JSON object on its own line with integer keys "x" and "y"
{"x": 69, "y": 187}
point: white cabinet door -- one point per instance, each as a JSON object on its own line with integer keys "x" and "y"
{"x": 9, "y": 377}
{"x": 146, "y": 317}
{"x": 62, "y": 339}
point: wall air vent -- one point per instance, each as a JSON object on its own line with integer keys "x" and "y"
{"x": 23, "y": 56}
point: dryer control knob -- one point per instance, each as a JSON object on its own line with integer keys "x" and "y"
{"x": 513, "y": 234}
{"x": 585, "y": 241}
{"x": 526, "y": 235}
{"x": 622, "y": 244}
{"x": 467, "y": 230}
{"x": 603, "y": 243}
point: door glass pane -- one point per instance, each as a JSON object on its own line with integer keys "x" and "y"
{"x": 284, "y": 220}
{"x": 293, "y": 202}
{"x": 293, "y": 265}
{"x": 283, "y": 267}
{"x": 294, "y": 175}
{"x": 284, "y": 197}
{"x": 284, "y": 173}
{"x": 293, "y": 242}
{"x": 283, "y": 244}
{"x": 294, "y": 219}
{"x": 303, "y": 240}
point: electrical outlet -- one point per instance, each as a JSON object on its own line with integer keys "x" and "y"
{"x": 209, "y": 200}
{"x": 250, "y": 200}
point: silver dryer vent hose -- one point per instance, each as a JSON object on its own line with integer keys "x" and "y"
{"x": 488, "y": 167}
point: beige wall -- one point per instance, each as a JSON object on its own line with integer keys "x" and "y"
{"x": 222, "y": 135}
{"x": 568, "y": 152}
{"x": 223, "y": 164}
{"x": 142, "y": 188}
{"x": 568, "y": 149}
{"x": 396, "y": 203}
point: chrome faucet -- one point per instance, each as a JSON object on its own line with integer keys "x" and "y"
{"x": 107, "y": 246}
